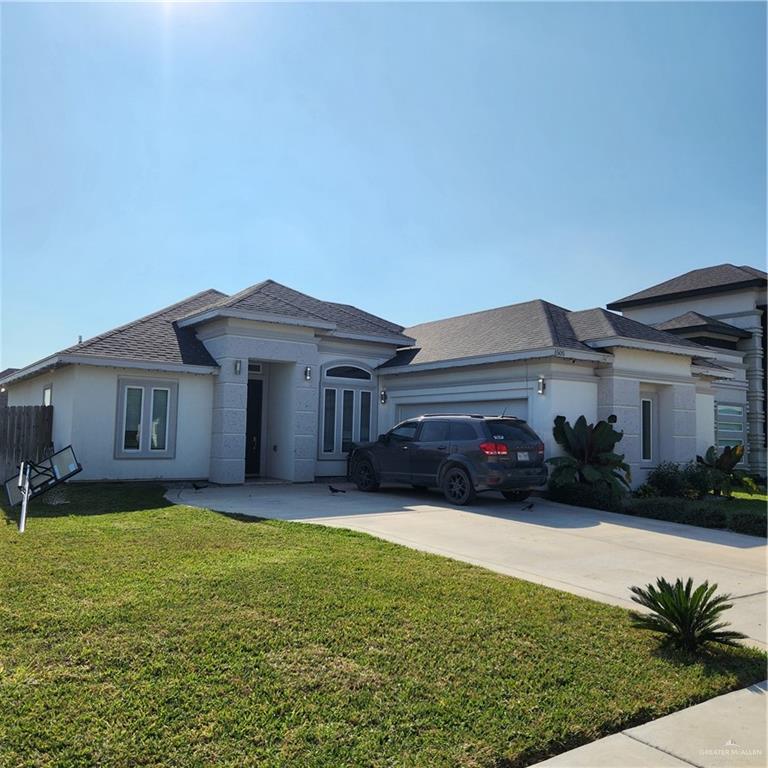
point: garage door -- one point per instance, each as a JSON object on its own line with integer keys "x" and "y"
{"x": 517, "y": 408}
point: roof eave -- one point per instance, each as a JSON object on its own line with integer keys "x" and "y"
{"x": 504, "y": 357}
{"x": 58, "y": 361}
{"x": 715, "y": 373}
{"x": 649, "y": 346}
{"x": 627, "y": 303}
{"x": 263, "y": 317}
{"x": 398, "y": 340}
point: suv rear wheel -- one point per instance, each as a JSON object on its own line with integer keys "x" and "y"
{"x": 515, "y": 495}
{"x": 364, "y": 476}
{"x": 457, "y": 486}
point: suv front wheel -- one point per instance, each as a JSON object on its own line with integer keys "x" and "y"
{"x": 364, "y": 476}
{"x": 457, "y": 486}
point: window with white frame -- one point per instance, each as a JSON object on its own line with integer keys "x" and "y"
{"x": 729, "y": 425}
{"x": 48, "y": 394}
{"x": 646, "y": 429}
{"x": 146, "y": 418}
{"x": 347, "y": 411}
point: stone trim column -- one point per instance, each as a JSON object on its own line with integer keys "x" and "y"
{"x": 754, "y": 360}
{"x": 230, "y": 398}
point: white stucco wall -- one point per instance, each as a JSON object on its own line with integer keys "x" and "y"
{"x": 715, "y": 305}
{"x": 30, "y": 392}
{"x": 85, "y": 413}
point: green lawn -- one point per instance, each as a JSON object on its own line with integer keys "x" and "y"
{"x": 134, "y": 633}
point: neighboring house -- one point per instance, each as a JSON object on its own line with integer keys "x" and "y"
{"x": 722, "y": 308}
{"x": 3, "y": 390}
{"x": 272, "y": 382}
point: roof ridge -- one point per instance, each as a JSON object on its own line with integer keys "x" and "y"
{"x": 484, "y": 311}
{"x": 296, "y": 306}
{"x": 138, "y": 321}
{"x": 250, "y": 290}
{"x": 375, "y": 319}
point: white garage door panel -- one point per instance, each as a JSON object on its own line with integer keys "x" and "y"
{"x": 517, "y": 408}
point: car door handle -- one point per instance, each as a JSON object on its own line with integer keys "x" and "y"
{"x": 442, "y": 447}
{"x": 403, "y": 447}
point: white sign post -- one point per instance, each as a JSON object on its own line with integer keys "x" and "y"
{"x": 24, "y": 489}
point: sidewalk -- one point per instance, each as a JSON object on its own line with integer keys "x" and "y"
{"x": 726, "y": 731}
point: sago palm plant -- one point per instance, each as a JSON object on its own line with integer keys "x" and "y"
{"x": 690, "y": 617}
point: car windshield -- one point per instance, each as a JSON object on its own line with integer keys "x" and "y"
{"x": 513, "y": 431}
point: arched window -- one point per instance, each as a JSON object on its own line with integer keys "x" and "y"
{"x": 347, "y": 372}
{"x": 347, "y": 410}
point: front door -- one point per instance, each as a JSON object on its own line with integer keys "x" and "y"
{"x": 253, "y": 427}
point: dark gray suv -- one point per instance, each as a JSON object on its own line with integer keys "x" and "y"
{"x": 460, "y": 454}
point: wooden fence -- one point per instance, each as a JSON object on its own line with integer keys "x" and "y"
{"x": 26, "y": 433}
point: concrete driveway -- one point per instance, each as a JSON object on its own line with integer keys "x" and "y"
{"x": 594, "y": 554}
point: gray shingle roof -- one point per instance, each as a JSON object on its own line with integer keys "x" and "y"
{"x": 696, "y": 321}
{"x": 520, "y": 328}
{"x": 723, "y": 277}
{"x": 527, "y": 326}
{"x": 596, "y": 324}
{"x": 273, "y": 298}
{"x": 155, "y": 337}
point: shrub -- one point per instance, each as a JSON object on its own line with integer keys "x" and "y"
{"x": 705, "y": 515}
{"x": 583, "y": 495}
{"x": 698, "y": 478}
{"x": 589, "y": 456}
{"x": 689, "y": 481}
{"x": 667, "y": 479}
{"x": 747, "y": 522}
{"x": 689, "y": 617}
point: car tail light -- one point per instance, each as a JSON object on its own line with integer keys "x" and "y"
{"x": 490, "y": 448}
{"x": 540, "y": 449}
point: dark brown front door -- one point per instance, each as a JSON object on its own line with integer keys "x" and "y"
{"x": 253, "y": 428}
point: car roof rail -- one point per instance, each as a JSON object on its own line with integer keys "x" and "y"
{"x": 462, "y": 415}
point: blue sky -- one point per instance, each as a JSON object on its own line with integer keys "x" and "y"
{"x": 419, "y": 161}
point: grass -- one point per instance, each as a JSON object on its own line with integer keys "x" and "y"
{"x": 135, "y": 633}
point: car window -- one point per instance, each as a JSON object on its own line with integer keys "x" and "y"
{"x": 462, "y": 430}
{"x": 433, "y": 432}
{"x": 405, "y": 431}
{"x": 512, "y": 431}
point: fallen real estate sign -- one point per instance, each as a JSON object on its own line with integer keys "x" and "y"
{"x": 34, "y": 479}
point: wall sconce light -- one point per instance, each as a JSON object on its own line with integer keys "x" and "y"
{"x": 238, "y": 367}
{"x": 308, "y": 373}
{"x": 383, "y": 397}
{"x": 542, "y": 385}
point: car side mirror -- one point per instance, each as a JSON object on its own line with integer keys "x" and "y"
{"x": 383, "y": 438}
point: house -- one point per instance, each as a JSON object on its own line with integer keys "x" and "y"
{"x": 723, "y": 309}
{"x": 3, "y": 392}
{"x": 272, "y": 382}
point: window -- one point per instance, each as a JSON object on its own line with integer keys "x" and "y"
{"x": 646, "y": 427}
{"x": 132, "y": 420}
{"x": 365, "y": 417}
{"x": 405, "y": 431}
{"x": 146, "y": 419}
{"x": 462, "y": 430}
{"x": 347, "y": 416}
{"x": 347, "y": 409}
{"x": 47, "y": 394}
{"x": 729, "y": 425}
{"x": 434, "y": 432}
{"x": 347, "y": 372}
{"x": 514, "y": 432}
{"x": 329, "y": 421}
{"x": 159, "y": 433}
